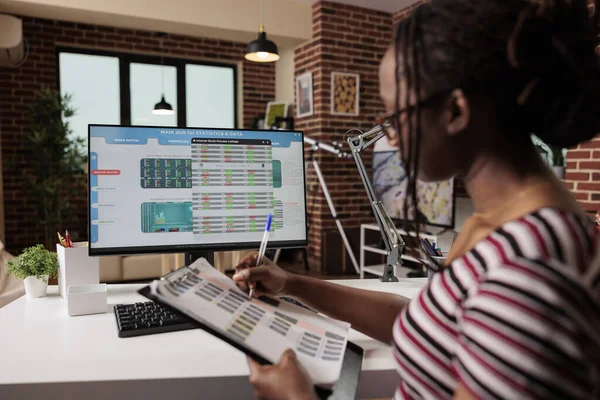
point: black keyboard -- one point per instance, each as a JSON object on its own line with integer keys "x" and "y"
{"x": 149, "y": 318}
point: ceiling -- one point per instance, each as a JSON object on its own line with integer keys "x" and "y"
{"x": 382, "y": 5}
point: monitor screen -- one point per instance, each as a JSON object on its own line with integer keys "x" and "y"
{"x": 435, "y": 200}
{"x": 157, "y": 189}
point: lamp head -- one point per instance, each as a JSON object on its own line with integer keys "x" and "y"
{"x": 163, "y": 108}
{"x": 262, "y": 49}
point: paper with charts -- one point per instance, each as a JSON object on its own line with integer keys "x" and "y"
{"x": 212, "y": 298}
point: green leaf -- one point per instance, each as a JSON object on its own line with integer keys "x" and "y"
{"x": 58, "y": 168}
{"x": 34, "y": 261}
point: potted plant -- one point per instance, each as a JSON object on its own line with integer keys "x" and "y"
{"x": 57, "y": 173}
{"x": 35, "y": 265}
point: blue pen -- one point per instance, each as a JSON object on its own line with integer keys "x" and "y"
{"x": 262, "y": 250}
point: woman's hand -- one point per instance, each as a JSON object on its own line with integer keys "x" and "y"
{"x": 268, "y": 278}
{"x": 287, "y": 380}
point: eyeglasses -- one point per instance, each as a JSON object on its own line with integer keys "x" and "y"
{"x": 389, "y": 121}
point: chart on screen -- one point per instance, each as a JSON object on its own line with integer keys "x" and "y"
{"x": 194, "y": 187}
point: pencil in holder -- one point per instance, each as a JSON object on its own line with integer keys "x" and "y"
{"x": 76, "y": 267}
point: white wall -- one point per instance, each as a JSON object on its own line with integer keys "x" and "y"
{"x": 287, "y": 22}
{"x": 284, "y": 76}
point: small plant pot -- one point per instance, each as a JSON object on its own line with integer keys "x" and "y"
{"x": 35, "y": 287}
{"x": 559, "y": 172}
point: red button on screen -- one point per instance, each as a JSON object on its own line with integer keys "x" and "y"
{"x": 106, "y": 172}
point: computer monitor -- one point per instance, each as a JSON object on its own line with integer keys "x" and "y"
{"x": 161, "y": 190}
{"x": 436, "y": 201}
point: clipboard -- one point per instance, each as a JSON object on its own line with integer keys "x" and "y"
{"x": 346, "y": 386}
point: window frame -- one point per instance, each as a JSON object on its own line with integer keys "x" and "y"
{"x": 125, "y": 60}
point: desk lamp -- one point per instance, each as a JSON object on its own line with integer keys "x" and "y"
{"x": 394, "y": 244}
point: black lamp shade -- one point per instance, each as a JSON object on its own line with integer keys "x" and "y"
{"x": 262, "y": 50}
{"x": 163, "y": 108}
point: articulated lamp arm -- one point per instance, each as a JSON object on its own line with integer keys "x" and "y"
{"x": 393, "y": 241}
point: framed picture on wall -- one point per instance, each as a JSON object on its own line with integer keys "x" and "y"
{"x": 304, "y": 95}
{"x": 345, "y": 93}
{"x": 275, "y": 109}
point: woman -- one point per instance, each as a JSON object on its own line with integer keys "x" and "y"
{"x": 515, "y": 312}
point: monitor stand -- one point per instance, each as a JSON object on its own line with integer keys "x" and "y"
{"x": 190, "y": 257}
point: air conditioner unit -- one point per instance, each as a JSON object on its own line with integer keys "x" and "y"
{"x": 11, "y": 41}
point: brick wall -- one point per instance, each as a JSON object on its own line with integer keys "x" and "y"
{"x": 351, "y": 39}
{"x": 583, "y": 165}
{"x": 583, "y": 174}
{"x": 345, "y": 39}
{"x": 19, "y": 85}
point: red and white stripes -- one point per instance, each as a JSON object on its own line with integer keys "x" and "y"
{"x": 516, "y": 317}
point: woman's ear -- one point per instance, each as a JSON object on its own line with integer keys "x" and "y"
{"x": 457, "y": 113}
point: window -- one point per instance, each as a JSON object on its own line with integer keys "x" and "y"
{"x": 116, "y": 88}
{"x": 93, "y": 83}
{"x": 209, "y": 96}
{"x": 146, "y": 91}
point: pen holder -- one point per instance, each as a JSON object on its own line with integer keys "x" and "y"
{"x": 76, "y": 267}
{"x": 86, "y": 299}
{"x": 440, "y": 261}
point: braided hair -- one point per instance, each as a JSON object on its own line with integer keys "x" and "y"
{"x": 537, "y": 60}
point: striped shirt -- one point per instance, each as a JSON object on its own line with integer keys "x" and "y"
{"x": 517, "y": 317}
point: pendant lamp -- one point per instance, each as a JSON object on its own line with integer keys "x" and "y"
{"x": 262, "y": 49}
{"x": 162, "y": 107}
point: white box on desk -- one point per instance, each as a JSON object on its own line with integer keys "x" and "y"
{"x": 86, "y": 299}
{"x": 76, "y": 267}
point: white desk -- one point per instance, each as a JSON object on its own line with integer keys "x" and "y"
{"x": 46, "y": 354}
